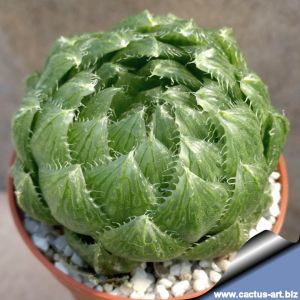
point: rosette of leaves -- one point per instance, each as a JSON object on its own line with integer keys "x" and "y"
{"x": 150, "y": 142}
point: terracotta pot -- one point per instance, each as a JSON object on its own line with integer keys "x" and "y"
{"x": 82, "y": 292}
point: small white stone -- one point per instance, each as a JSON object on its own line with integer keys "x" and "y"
{"x": 263, "y": 224}
{"x": 88, "y": 283}
{"x": 149, "y": 296}
{"x": 141, "y": 280}
{"x": 202, "y": 275}
{"x": 75, "y": 259}
{"x": 185, "y": 267}
{"x": 199, "y": 285}
{"x": 204, "y": 264}
{"x": 137, "y": 295}
{"x": 77, "y": 277}
{"x": 179, "y": 288}
{"x": 167, "y": 263}
{"x": 99, "y": 288}
{"x": 274, "y": 210}
{"x": 165, "y": 282}
{"x": 31, "y": 226}
{"x": 275, "y": 175}
{"x": 143, "y": 265}
{"x": 162, "y": 292}
{"x": 232, "y": 256}
{"x": 185, "y": 276}
{"x": 172, "y": 278}
{"x": 126, "y": 289}
{"x": 272, "y": 220}
{"x": 44, "y": 229}
{"x": 224, "y": 264}
{"x": 252, "y": 233}
{"x": 107, "y": 287}
{"x": 116, "y": 292}
{"x": 61, "y": 267}
{"x": 276, "y": 196}
{"x": 68, "y": 251}
{"x": 214, "y": 276}
{"x": 215, "y": 267}
{"x": 40, "y": 242}
{"x": 60, "y": 243}
{"x": 175, "y": 270}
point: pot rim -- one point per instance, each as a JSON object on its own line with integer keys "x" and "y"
{"x": 72, "y": 284}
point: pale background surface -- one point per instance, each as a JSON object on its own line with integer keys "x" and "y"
{"x": 267, "y": 30}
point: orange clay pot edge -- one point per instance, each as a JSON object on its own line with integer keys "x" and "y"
{"x": 79, "y": 290}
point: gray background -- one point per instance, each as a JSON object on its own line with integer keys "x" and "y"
{"x": 267, "y": 30}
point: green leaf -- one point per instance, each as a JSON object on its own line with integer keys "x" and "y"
{"x": 171, "y": 70}
{"x": 213, "y": 97}
{"x": 250, "y": 181}
{"x": 164, "y": 127}
{"x": 21, "y": 128}
{"x": 217, "y": 65}
{"x": 195, "y": 204}
{"x": 127, "y": 133}
{"x": 121, "y": 188}
{"x": 66, "y": 194}
{"x": 89, "y": 141}
{"x": 277, "y": 127}
{"x": 149, "y": 48}
{"x": 98, "y": 105}
{"x": 242, "y": 138}
{"x": 97, "y": 257}
{"x": 230, "y": 46}
{"x": 257, "y": 93}
{"x": 192, "y": 122}
{"x": 141, "y": 240}
{"x": 229, "y": 240}
{"x": 28, "y": 198}
{"x": 179, "y": 95}
{"x": 49, "y": 143}
{"x": 70, "y": 94}
{"x": 201, "y": 157}
{"x": 57, "y": 66}
{"x": 154, "y": 159}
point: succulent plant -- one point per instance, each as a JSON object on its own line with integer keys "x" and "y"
{"x": 150, "y": 142}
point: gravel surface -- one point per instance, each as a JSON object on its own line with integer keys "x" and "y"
{"x": 178, "y": 277}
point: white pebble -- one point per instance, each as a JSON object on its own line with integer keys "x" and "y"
{"x": 137, "y": 295}
{"x": 186, "y": 267}
{"x": 167, "y": 263}
{"x": 126, "y": 289}
{"x": 224, "y": 264}
{"x": 141, "y": 280}
{"x": 31, "y": 226}
{"x": 44, "y": 229}
{"x": 204, "y": 264}
{"x": 215, "y": 267}
{"x": 40, "y": 242}
{"x": 179, "y": 288}
{"x": 275, "y": 175}
{"x": 274, "y": 210}
{"x": 68, "y": 251}
{"x": 165, "y": 282}
{"x": 276, "y": 196}
{"x": 172, "y": 278}
{"x": 60, "y": 243}
{"x": 252, "y": 233}
{"x": 88, "y": 283}
{"x": 175, "y": 270}
{"x": 99, "y": 288}
{"x": 272, "y": 220}
{"x": 200, "y": 274}
{"x": 149, "y": 296}
{"x": 263, "y": 224}
{"x": 107, "y": 287}
{"x": 199, "y": 285}
{"x": 162, "y": 292}
{"x": 58, "y": 265}
{"x": 75, "y": 259}
{"x": 214, "y": 276}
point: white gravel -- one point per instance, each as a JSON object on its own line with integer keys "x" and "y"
{"x": 182, "y": 276}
